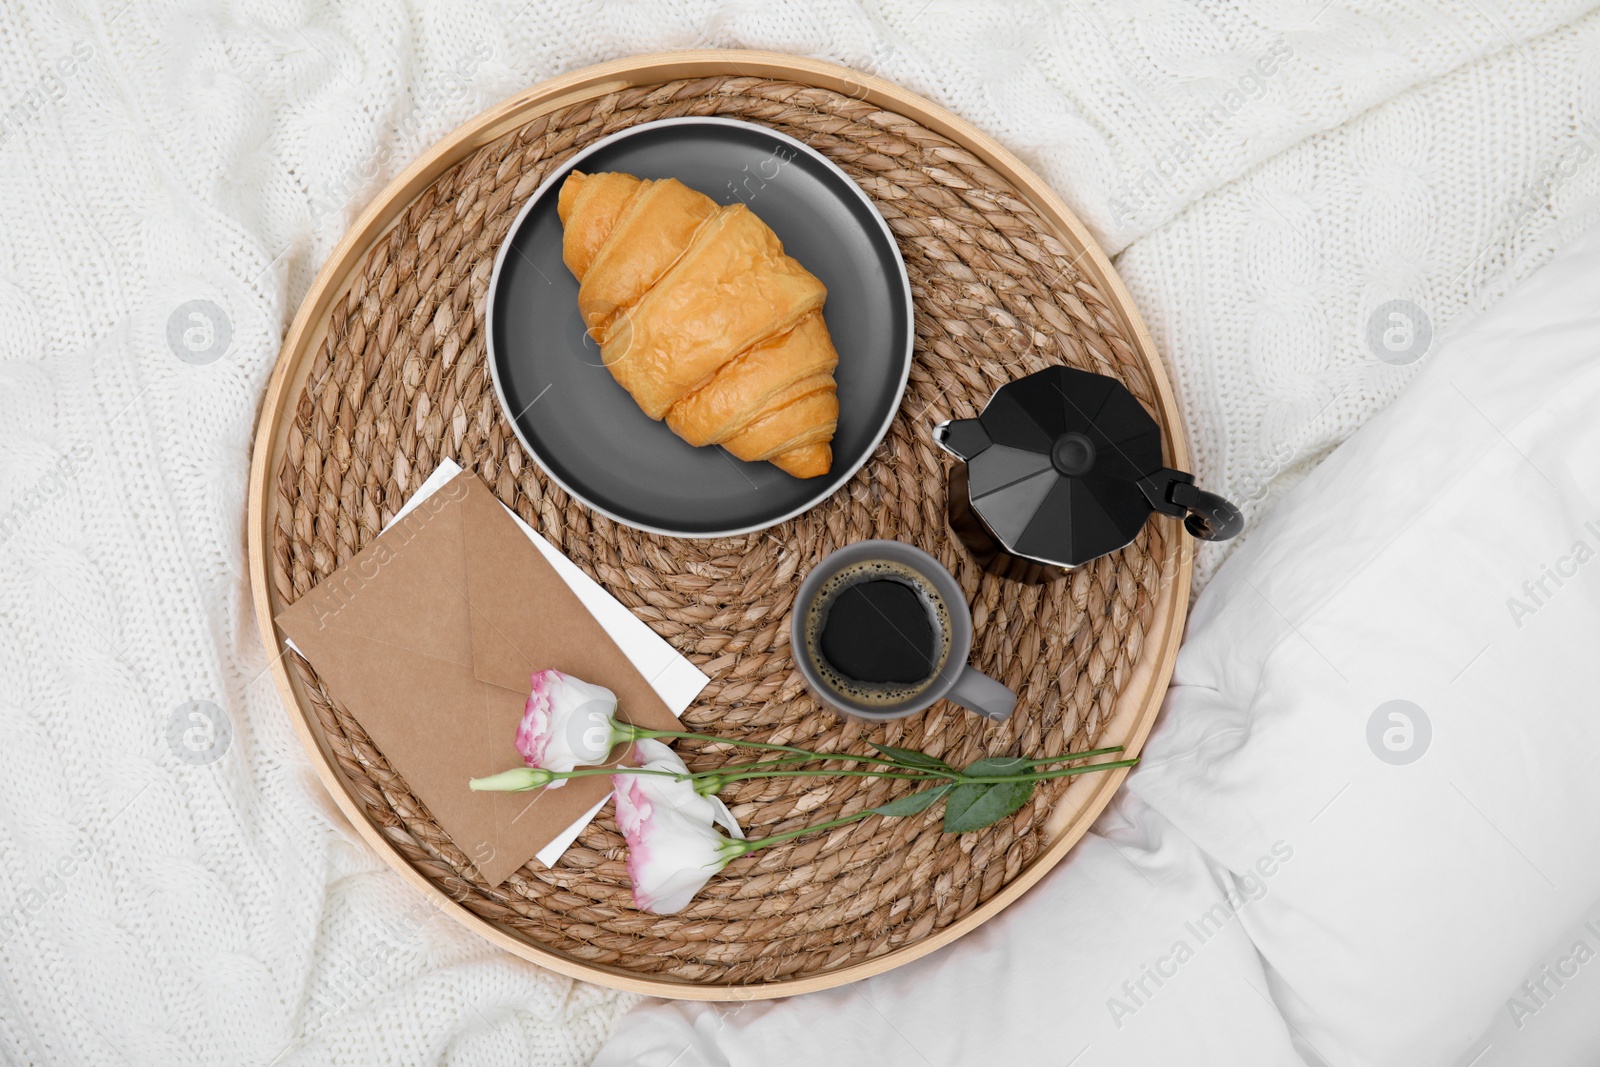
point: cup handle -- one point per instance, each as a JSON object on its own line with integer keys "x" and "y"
{"x": 977, "y": 692}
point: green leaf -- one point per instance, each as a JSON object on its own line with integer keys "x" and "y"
{"x": 914, "y": 802}
{"x": 974, "y": 805}
{"x": 912, "y": 758}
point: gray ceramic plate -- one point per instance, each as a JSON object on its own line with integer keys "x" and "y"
{"x": 586, "y": 431}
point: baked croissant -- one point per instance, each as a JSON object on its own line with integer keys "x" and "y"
{"x": 703, "y": 319}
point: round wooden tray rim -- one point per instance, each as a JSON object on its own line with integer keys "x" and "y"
{"x": 1142, "y": 694}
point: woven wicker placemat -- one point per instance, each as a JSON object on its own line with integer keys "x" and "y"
{"x": 400, "y": 382}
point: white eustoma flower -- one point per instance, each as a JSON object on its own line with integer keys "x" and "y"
{"x": 567, "y": 723}
{"x": 673, "y": 845}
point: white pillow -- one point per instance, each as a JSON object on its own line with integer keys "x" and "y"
{"x": 1446, "y": 556}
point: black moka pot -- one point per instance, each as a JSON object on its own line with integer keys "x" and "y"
{"x": 1061, "y": 467}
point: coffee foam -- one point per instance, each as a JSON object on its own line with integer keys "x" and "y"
{"x": 869, "y": 694}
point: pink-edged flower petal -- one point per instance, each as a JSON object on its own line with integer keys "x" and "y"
{"x": 566, "y": 723}
{"x": 533, "y": 733}
{"x": 673, "y": 848}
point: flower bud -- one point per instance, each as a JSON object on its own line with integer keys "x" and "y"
{"x": 513, "y": 781}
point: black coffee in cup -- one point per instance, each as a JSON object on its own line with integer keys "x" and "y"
{"x": 878, "y": 633}
{"x": 880, "y": 630}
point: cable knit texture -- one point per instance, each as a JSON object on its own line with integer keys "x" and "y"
{"x": 175, "y": 886}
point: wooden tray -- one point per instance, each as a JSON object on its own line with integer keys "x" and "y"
{"x": 376, "y": 383}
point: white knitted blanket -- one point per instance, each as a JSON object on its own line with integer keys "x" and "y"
{"x": 174, "y": 886}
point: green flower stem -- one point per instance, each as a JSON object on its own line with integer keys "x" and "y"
{"x": 789, "y": 835}
{"x": 764, "y": 765}
{"x": 1039, "y": 776}
{"x": 629, "y": 732}
{"x": 930, "y": 774}
{"x": 522, "y": 779}
{"x": 731, "y": 776}
{"x": 709, "y": 783}
{"x": 1070, "y": 756}
{"x": 740, "y": 848}
{"x": 581, "y": 771}
{"x": 520, "y": 774}
{"x": 625, "y": 731}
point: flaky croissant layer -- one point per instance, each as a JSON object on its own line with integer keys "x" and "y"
{"x": 703, "y": 319}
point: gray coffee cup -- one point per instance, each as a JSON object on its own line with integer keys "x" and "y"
{"x": 949, "y": 676}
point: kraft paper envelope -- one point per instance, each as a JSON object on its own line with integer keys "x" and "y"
{"x": 429, "y": 637}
